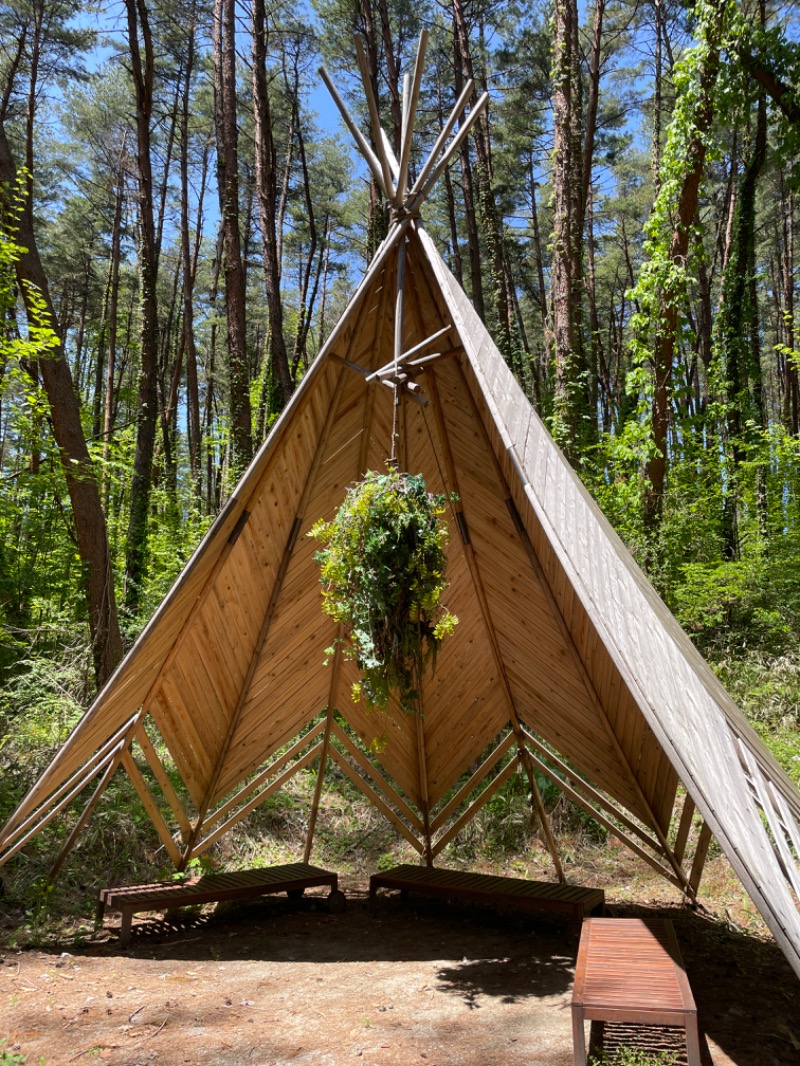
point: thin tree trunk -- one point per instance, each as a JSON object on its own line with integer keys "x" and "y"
{"x": 684, "y": 212}
{"x": 225, "y": 123}
{"x": 143, "y": 74}
{"x": 571, "y": 407}
{"x": 90, "y": 524}
{"x": 267, "y": 193}
{"x": 188, "y": 265}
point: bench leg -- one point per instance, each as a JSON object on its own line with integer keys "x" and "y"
{"x": 692, "y": 1041}
{"x": 337, "y": 902}
{"x": 578, "y": 1036}
{"x": 125, "y": 928}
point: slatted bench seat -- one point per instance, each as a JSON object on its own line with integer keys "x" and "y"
{"x": 629, "y": 970}
{"x": 568, "y": 901}
{"x": 293, "y": 879}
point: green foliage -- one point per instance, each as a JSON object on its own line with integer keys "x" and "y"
{"x": 663, "y": 281}
{"x": 767, "y": 688}
{"x": 383, "y": 573}
{"x": 10, "y": 1058}
{"x": 629, "y": 1056}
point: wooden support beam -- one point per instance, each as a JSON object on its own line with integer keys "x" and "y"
{"x": 422, "y": 759}
{"x": 65, "y": 801}
{"x": 598, "y": 816}
{"x": 358, "y": 136}
{"x": 567, "y": 635}
{"x": 160, "y": 774}
{"x": 391, "y": 367}
{"x": 409, "y": 116}
{"x": 475, "y": 779}
{"x": 375, "y": 120}
{"x": 366, "y": 424}
{"x": 266, "y": 624}
{"x": 251, "y": 805}
{"x": 479, "y": 802}
{"x": 477, "y": 582}
{"x": 685, "y": 824}
{"x": 323, "y": 762}
{"x": 84, "y": 818}
{"x": 84, "y": 774}
{"x": 391, "y": 793}
{"x": 416, "y": 201}
{"x": 350, "y": 365}
{"x": 699, "y": 861}
{"x": 592, "y": 793}
{"x": 150, "y": 805}
{"x": 264, "y": 775}
{"x": 376, "y": 800}
{"x": 389, "y": 151}
{"x": 445, "y": 132}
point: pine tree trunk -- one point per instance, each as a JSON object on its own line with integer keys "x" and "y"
{"x": 227, "y": 137}
{"x": 267, "y": 194}
{"x": 572, "y": 413}
{"x": 143, "y": 72}
{"x": 90, "y": 522}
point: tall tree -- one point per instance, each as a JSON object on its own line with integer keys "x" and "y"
{"x": 661, "y": 287}
{"x": 267, "y": 193}
{"x": 227, "y": 137}
{"x": 572, "y": 417}
{"x": 90, "y": 524}
{"x": 140, "y": 44}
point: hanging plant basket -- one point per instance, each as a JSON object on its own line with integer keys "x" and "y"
{"x": 383, "y": 573}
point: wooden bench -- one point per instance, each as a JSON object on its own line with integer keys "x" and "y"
{"x": 629, "y": 970}
{"x": 568, "y": 901}
{"x": 293, "y": 879}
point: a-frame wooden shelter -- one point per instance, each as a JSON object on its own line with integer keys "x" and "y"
{"x": 565, "y": 661}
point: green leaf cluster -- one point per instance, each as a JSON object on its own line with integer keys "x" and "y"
{"x": 383, "y": 573}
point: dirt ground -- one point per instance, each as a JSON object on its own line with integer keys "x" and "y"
{"x": 275, "y": 982}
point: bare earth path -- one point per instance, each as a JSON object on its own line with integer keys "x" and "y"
{"x": 423, "y": 983}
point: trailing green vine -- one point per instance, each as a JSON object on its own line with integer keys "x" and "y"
{"x": 383, "y": 573}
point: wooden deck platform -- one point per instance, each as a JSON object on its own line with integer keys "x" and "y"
{"x": 568, "y": 901}
{"x": 293, "y": 879}
{"x": 629, "y": 970}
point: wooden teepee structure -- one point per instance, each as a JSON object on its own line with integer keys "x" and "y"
{"x": 565, "y": 661}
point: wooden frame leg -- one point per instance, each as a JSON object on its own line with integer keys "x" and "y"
{"x": 125, "y": 928}
{"x": 578, "y": 1036}
{"x": 693, "y": 1041}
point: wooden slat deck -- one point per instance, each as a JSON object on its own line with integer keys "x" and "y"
{"x": 214, "y": 888}
{"x": 569, "y": 901}
{"x": 629, "y": 970}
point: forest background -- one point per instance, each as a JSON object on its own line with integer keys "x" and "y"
{"x": 180, "y": 229}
